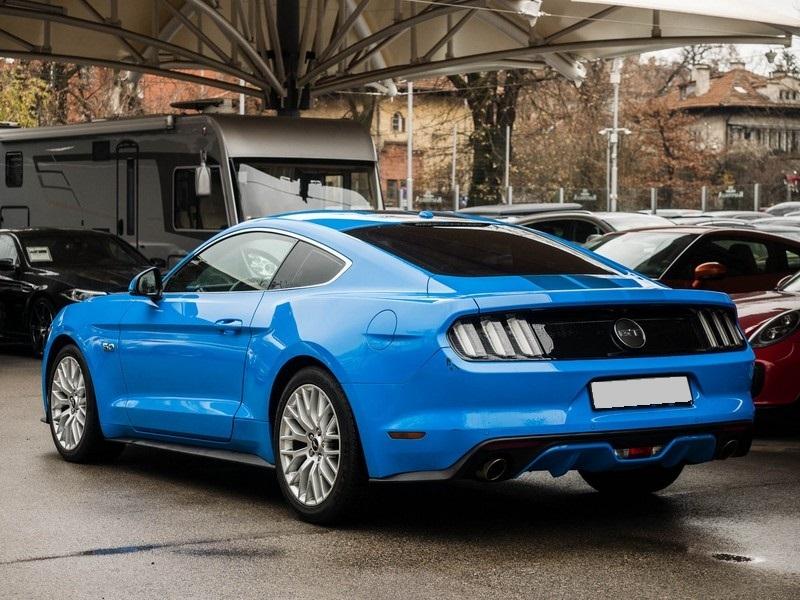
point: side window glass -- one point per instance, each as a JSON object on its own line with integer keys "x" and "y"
{"x": 559, "y": 228}
{"x": 14, "y": 169}
{"x": 307, "y": 265}
{"x": 8, "y": 249}
{"x": 741, "y": 257}
{"x": 583, "y": 229}
{"x": 244, "y": 262}
{"x": 792, "y": 260}
{"x": 197, "y": 213}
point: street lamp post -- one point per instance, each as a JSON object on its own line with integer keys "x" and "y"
{"x": 613, "y": 138}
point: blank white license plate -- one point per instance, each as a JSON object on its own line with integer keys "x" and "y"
{"x": 650, "y": 391}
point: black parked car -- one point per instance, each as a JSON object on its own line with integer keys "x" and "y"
{"x": 42, "y": 270}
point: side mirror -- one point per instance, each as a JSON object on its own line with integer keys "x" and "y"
{"x": 783, "y": 281}
{"x": 7, "y": 265}
{"x": 202, "y": 180}
{"x": 147, "y": 283}
{"x": 707, "y": 272}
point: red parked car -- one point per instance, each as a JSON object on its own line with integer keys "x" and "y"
{"x": 725, "y": 260}
{"x": 771, "y": 321}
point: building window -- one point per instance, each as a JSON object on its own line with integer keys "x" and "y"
{"x": 398, "y": 123}
{"x": 392, "y": 192}
{"x": 197, "y": 213}
{"x": 14, "y": 169}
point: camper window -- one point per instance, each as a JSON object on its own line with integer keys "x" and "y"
{"x": 197, "y": 213}
{"x": 270, "y": 187}
{"x": 14, "y": 169}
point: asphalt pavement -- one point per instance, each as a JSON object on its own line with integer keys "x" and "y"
{"x": 161, "y": 525}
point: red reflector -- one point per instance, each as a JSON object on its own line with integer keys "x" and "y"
{"x": 406, "y": 435}
{"x": 638, "y": 452}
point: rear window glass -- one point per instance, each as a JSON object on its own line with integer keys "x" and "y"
{"x": 485, "y": 250}
{"x": 648, "y": 252}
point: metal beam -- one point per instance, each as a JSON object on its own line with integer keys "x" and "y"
{"x": 111, "y": 30}
{"x": 231, "y": 32}
{"x": 275, "y": 38}
{"x": 139, "y": 67}
{"x": 448, "y": 36}
{"x": 345, "y": 28}
{"x": 187, "y": 23}
{"x": 580, "y": 24}
{"x": 113, "y": 21}
{"x": 17, "y": 40}
{"x": 465, "y": 63}
{"x": 388, "y": 31}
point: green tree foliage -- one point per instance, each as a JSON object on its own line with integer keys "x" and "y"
{"x": 20, "y": 95}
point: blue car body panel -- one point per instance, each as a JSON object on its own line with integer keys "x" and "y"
{"x": 182, "y": 372}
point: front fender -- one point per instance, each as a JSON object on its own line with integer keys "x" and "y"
{"x": 89, "y": 325}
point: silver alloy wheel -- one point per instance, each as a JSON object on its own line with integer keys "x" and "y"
{"x": 309, "y": 444}
{"x": 68, "y": 403}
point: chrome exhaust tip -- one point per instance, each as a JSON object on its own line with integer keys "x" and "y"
{"x": 493, "y": 469}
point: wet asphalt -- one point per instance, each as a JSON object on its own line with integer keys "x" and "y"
{"x": 160, "y": 525}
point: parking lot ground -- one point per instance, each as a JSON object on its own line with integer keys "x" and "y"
{"x": 159, "y": 525}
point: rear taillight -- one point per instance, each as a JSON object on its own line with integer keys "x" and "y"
{"x": 499, "y": 336}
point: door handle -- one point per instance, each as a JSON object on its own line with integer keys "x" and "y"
{"x": 228, "y": 325}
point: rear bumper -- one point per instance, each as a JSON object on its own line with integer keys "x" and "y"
{"x": 461, "y": 408}
{"x": 596, "y": 451}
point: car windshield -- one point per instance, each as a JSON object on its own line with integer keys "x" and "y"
{"x": 267, "y": 187}
{"x": 648, "y": 252}
{"x": 478, "y": 250}
{"x": 80, "y": 249}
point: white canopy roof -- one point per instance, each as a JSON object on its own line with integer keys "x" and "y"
{"x": 286, "y": 50}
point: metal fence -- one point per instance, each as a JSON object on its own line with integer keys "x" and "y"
{"x": 752, "y": 196}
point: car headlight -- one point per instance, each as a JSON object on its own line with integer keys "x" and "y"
{"x": 776, "y": 329}
{"x": 79, "y": 295}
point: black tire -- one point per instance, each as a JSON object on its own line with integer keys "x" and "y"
{"x": 40, "y": 317}
{"x": 632, "y": 482}
{"x": 349, "y": 486}
{"x": 92, "y": 447}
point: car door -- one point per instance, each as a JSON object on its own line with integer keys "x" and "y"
{"x": 746, "y": 259}
{"x": 183, "y": 356}
{"x": 13, "y": 290}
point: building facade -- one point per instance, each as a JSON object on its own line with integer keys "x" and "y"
{"x": 739, "y": 109}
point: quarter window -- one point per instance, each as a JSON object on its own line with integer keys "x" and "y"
{"x": 307, "y": 265}
{"x": 198, "y": 213}
{"x": 14, "y": 169}
{"x": 243, "y": 262}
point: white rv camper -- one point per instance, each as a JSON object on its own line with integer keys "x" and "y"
{"x": 166, "y": 183}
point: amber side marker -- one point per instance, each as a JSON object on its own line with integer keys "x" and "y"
{"x": 406, "y": 435}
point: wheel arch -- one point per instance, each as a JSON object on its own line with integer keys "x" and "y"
{"x": 62, "y": 340}
{"x": 289, "y": 369}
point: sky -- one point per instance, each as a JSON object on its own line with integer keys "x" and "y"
{"x": 752, "y": 54}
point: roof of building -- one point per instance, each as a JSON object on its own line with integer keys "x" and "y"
{"x": 735, "y": 88}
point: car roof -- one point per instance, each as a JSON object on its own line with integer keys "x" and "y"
{"x": 558, "y": 214}
{"x": 524, "y": 208}
{"x": 344, "y": 220}
{"x": 704, "y": 231}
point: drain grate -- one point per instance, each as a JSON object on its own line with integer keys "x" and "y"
{"x": 738, "y": 558}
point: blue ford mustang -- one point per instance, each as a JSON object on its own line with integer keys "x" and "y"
{"x": 346, "y": 346}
